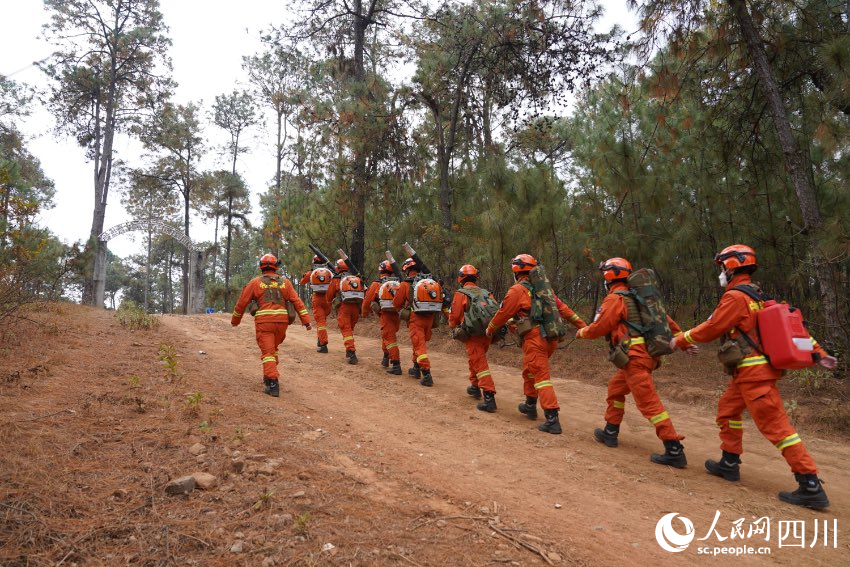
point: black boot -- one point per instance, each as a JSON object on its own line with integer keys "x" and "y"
{"x": 415, "y": 372}
{"x": 728, "y": 467}
{"x": 271, "y": 387}
{"x": 552, "y": 425}
{"x": 608, "y": 434}
{"x": 810, "y": 493}
{"x": 351, "y": 356}
{"x": 529, "y": 408}
{"x": 385, "y": 362}
{"x": 489, "y": 403}
{"x": 474, "y": 391}
{"x": 426, "y": 378}
{"x": 322, "y": 348}
{"x": 395, "y": 368}
{"x": 674, "y": 455}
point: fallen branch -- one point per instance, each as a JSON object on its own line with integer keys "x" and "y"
{"x": 528, "y": 546}
{"x": 44, "y": 416}
{"x": 411, "y": 561}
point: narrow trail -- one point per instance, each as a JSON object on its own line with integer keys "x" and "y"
{"x": 353, "y": 466}
{"x": 602, "y": 504}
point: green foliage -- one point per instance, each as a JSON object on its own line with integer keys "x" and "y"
{"x": 168, "y": 358}
{"x": 133, "y": 317}
{"x": 301, "y": 524}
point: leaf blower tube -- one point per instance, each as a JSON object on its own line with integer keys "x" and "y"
{"x": 423, "y": 269}
{"x": 328, "y": 264}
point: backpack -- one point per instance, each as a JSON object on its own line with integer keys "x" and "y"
{"x": 544, "y": 308}
{"x": 426, "y": 295}
{"x": 320, "y": 279}
{"x": 386, "y": 293}
{"x": 783, "y": 337}
{"x": 479, "y": 310}
{"x": 647, "y": 315}
{"x": 271, "y": 286}
{"x": 351, "y": 289}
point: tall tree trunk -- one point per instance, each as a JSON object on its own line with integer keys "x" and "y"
{"x": 799, "y": 170}
{"x": 278, "y": 214}
{"x": 360, "y": 181}
{"x": 187, "y": 194}
{"x": 148, "y": 264}
{"x": 104, "y": 173}
{"x": 227, "y": 253}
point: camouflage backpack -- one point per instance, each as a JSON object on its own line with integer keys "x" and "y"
{"x": 650, "y": 323}
{"x": 544, "y": 308}
{"x": 479, "y": 310}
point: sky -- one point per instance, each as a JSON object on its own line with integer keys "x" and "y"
{"x": 209, "y": 39}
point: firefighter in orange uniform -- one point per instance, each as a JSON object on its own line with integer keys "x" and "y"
{"x": 319, "y": 278}
{"x": 753, "y": 384}
{"x": 636, "y": 377}
{"x": 418, "y": 326}
{"x": 381, "y": 293}
{"x": 481, "y": 381}
{"x": 271, "y": 292}
{"x": 347, "y": 313}
{"x": 536, "y": 350}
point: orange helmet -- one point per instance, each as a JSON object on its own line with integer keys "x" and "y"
{"x": 385, "y": 269}
{"x": 341, "y": 266}
{"x": 269, "y": 262}
{"x": 615, "y": 269}
{"x": 523, "y": 263}
{"x": 735, "y": 256}
{"x": 409, "y": 264}
{"x": 467, "y": 273}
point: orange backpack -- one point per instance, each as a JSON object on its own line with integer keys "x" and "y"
{"x": 351, "y": 289}
{"x": 426, "y": 295}
{"x": 320, "y": 279}
{"x": 386, "y": 293}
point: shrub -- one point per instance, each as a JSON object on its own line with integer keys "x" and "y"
{"x": 133, "y": 317}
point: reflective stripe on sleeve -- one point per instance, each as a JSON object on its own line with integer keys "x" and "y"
{"x": 735, "y": 424}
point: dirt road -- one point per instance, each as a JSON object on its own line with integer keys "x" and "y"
{"x": 385, "y": 470}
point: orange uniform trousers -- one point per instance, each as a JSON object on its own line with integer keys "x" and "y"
{"x": 390, "y": 324}
{"x": 321, "y": 310}
{"x": 269, "y": 336}
{"x": 346, "y": 317}
{"x": 536, "y": 378}
{"x": 762, "y": 400}
{"x": 479, "y": 369}
{"x": 636, "y": 379}
{"x": 419, "y": 328}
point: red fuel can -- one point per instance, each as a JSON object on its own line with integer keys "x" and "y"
{"x": 784, "y": 337}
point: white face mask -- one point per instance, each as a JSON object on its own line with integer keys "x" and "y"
{"x": 724, "y": 281}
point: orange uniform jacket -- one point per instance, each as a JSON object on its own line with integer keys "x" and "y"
{"x": 371, "y": 295}
{"x": 269, "y": 312}
{"x": 518, "y": 302}
{"x": 737, "y": 309}
{"x": 610, "y": 321}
